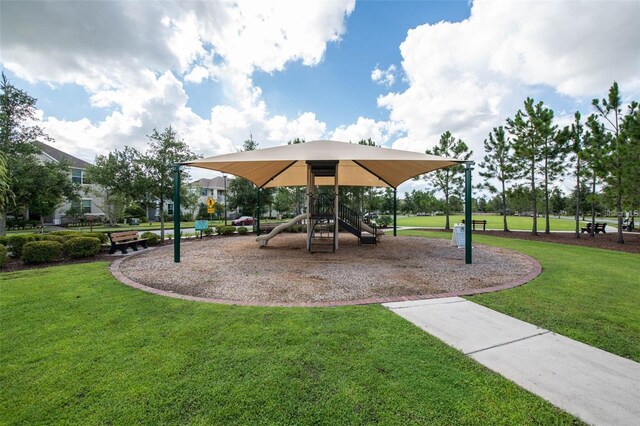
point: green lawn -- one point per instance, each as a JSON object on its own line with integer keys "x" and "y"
{"x": 493, "y": 222}
{"x": 588, "y": 294}
{"x": 78, "y": 347}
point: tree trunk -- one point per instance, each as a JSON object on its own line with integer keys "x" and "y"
{"x": 42, "y": 224}
{"x": 620, "y": 239}
{"x": 3, "y": 224}
{"x": 592, "y": 233}
{"x": 578, "y": 199}
{"x": 547, "y": 229}
{"x": 446, "y": 212}
{"x": 504, "y": 208}
{"x": 534, "y": 205}
{"x": 161, "y": 208}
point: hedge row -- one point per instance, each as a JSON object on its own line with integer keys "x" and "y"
{"x": 43, "y": 248}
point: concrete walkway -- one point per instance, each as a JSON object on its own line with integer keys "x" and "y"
{"x": 598, "y": 387}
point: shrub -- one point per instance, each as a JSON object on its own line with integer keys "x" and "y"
{"x": 4, "y": 240}
{"x": 16, "y": 242}
{"x": 63, "y": 233}
{"x": 58, "y": 238}
{"x": 41, "y": 251}
{"x": 242, "y": 230}
{"x": 384, "y": 221}
{"x": 99, "y": 235}
{"x": 225, "y": 230}
{"x": 208, "y": 231}
{"x": 152, "y": 239}
{"x": 79, "y": 247}
{"x": 3, "y": 256}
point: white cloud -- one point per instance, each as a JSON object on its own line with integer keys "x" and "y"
{"x": 132, "y": 57}
{"x": 385, "y": 77}
{"x": 468, "y": 77}
{"x": 365, "y": 128}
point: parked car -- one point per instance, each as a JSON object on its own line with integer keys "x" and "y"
{"x": 242, "y": 221}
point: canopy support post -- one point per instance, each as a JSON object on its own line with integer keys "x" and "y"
{"x": 468, "y": 247}
{"x": 336, "y": 212}
{"x": 176, "y": 213}
{"x": 258, "y": 212}
{"x": 395, "y": 212}
{"x": 309, "y": 192}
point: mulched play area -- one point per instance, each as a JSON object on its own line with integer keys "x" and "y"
{"x": 236, "y": 270}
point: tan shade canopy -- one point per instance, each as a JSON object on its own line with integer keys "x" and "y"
{"x": 358, "y": 165}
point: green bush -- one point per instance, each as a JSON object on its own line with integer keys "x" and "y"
{"x": 63, "y": 233}
{"x": 99, "y": 235}
{"x": 79, "y": 247}
{"x": 384, "y": 221}
{"x": 242, "y": 230}
{"x": 208, "y": 231}
{"x": 3, "y": 256}
{"x": 225, "y": 230}
{"x": 58, "y": 238}
{"x": 16, "y": 242}
{"x": 41, "y": 251}
{"x": 152, "y": 239}
{"x": 4, "y": 240}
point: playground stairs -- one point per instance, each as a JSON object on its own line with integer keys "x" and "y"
{"x": 322, "y": 237}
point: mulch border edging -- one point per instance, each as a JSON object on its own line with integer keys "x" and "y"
{"x": 536, "y": 269}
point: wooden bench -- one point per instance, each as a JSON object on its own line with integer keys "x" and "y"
{"x": 600, "y": 227}
{"x": 122, "y": 240}
{"x": 478, "y": 222}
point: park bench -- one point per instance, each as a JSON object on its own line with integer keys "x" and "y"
{"x": 600, "y": 227}
{"x": 122, "y": 240}
{"x": 478, "y": 222}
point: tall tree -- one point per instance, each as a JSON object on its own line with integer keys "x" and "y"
{"x": 164, "y": 150}
{"x": 117, "y": 179}
{"x": 527, "y": 151}
{"x": 498, "y": 165}
{"x": 18, "y": 132}
{"x": 630, "y": 131}
{"x": 50, "y": 185}
{"x": 450, "y": 180}
{"x": 577, "y": 147}
{"x": 616, "y": 161}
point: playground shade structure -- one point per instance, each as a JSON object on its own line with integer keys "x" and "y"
{"x": 357, "y": 165}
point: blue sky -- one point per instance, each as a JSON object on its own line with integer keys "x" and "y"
{"x": 400, "y": 72}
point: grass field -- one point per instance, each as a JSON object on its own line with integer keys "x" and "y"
{"x": 588, "y": 294}
{"x": 78, "y": 347}
{"x": 493, "y": 222}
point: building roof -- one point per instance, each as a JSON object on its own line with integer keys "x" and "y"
{"x": 357, "y": 165}
{"x": 59, "y": 156}
{"x": 216, "y": 182}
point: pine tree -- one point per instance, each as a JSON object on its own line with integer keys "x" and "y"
{"x": 449, "y": 180}
{"x": 498, "y": 164}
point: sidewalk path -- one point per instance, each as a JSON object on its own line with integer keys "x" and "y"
{"x": 596, "y": 386}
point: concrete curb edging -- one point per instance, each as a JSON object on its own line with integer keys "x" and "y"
{"x": 536, "y": 269}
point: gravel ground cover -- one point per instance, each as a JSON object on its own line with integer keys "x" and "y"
{"x": 235, "y": 269}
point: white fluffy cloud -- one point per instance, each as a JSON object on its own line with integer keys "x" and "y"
{"x": 133, "y": 56}
{"x": 467, "y": 77}
{"x": 386, "y": 77}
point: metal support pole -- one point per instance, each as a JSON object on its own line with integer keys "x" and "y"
{"x": 176, "y": 213}
{"x": 467, "y": 214}
{"x": 225, "y": 199}
{"x": 258, "y": 213}
{"x": 395, "y": 212}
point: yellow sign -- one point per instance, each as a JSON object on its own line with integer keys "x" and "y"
{"x": 210, "y": 203}
{"x": 211, "y": 210}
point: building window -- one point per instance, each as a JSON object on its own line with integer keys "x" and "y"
{"x": 83, "y": 205}
{"x": 169, "y": 208}
{"x": 203, "y": 192}
{"x": 76, "y": 176}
